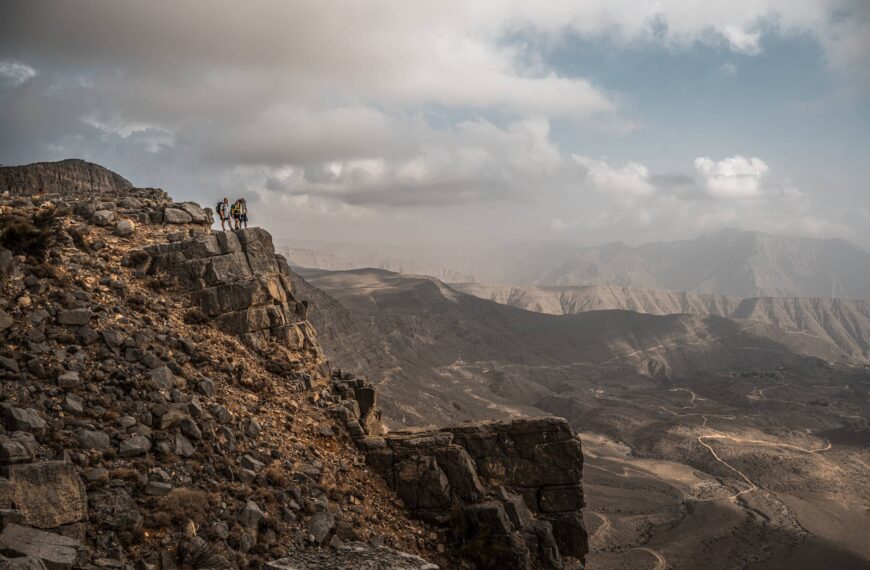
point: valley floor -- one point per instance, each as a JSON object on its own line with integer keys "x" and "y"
{"x": 733, "y": 500}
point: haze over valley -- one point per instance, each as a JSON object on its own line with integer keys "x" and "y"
{"x": 744, "y": 420}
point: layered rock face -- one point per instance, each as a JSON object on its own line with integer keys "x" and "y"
{"x": 237, "y": 279}
{"x": 96, "y": 195}
{"x": 67, "y": 177}
{"x": 510, "y": 492}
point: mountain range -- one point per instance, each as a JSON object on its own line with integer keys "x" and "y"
{"x": 842, "y": 322}
{"x": 730, "y": 262}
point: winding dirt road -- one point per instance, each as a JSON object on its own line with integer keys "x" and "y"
{"x": 661, "y": 561}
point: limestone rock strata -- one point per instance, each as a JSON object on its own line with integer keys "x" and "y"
{"x": 66, "y": 176}
{"x": 509, "y": 491}
{"x": 95, "y": 194}
{"x": 354, "y": 555}
{"x": 237, "y": 279}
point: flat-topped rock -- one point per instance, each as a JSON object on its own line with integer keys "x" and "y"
{"x": 356, "y": 555}
{"x": 53, "y": 550}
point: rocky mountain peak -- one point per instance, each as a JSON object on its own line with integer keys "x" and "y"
{"x": 71, "y": 176}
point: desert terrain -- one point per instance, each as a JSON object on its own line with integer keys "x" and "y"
{"x": 710, "y": 441}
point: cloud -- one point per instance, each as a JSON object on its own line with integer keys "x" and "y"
{"x": 728, "y": 69}
{"x": 736, "y": 177}
{"x": 474, "y": 161}
{"x": 629, "y": 181}
{"x": 16, "y": 72}
{"x": 743, "y": 41}
{"x": 560, "y": 225}
{"x": 372, "y": 111}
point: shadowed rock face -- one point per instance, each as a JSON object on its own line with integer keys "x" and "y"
{"x": 509, "y": 491}
{"x": 66, "y": 176}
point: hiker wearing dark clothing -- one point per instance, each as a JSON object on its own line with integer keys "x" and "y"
{"x": 223, "y": 212}
{"x": 240, "y": 213}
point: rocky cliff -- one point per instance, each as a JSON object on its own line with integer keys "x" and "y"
{"x": 165, "y": 404}
{"x": 69, "y": 177}
{"x": 509, "y": 492}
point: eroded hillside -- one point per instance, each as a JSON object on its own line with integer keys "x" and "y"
{"x": 842, "y": 322}
{"x": 709, "y": 441}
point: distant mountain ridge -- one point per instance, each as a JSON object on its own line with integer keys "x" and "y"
{"x": 347, "y": 256}
{"x": 730, "y": 262}
{"x": 844, "y": 323}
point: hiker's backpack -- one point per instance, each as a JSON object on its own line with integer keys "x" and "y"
{"x": 219, "y": 208}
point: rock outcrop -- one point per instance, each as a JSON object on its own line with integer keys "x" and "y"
{"x": 236, "y": 279}
{"x": 67, "y": 177}
{"x": 510, "y": 492}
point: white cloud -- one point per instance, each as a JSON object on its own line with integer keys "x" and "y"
{"x": 560, "y": 225}
{"x": 630, "y": 181}
{"x": 728, "y": 69}
{"x": 16, "y": 72}
{"x": 743, "y": 41}
{"x": 475, "y": 160}
{"x": 735, "y": 177}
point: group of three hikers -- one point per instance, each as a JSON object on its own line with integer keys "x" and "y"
{"x": 236, "y": 215}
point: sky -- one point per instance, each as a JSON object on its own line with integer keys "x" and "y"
{"x": 457, "y": 122}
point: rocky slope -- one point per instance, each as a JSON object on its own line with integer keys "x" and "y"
{"x": 444, "y": 355}
{"x": 165, "y": 402}
{"x": 841, "y": 322}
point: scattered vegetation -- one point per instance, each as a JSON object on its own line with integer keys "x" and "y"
{"x": 183, "y": 504}
{"x": 32, "y": 236}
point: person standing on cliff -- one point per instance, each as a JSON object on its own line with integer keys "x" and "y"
{"x": 240, "y": 213}
{"x": 223, "y": 212}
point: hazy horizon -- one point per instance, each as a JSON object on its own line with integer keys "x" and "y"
{"x": 497, "y": 123}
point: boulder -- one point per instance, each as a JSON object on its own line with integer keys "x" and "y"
{"x": 176, "y": 216}
{"x": 17, "y": 447}
{"x": 68, "y": 379}
{"x": 48, "y": 494}
{"x": 75, "y": 317}
{"x": 90, "y": 439}
{"x": 183, "y": 446}
{"x": 162, "y": 378}
{"x": 125, "y": 228}
{"x": 321, "y": 525}
{"x": 205, "y": 387}
{"x": 196, "y": 212}
{"x": 54, "y": 550}
{"x": 20, "y": 419}
{"x": 133, "y": 446}
{"x": 103, "y": 217}
{"x": 251, "y": 515}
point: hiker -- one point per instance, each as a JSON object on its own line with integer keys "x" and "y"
{"x": 240, "y": 213}
{"x": 223, "y": 212}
